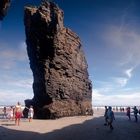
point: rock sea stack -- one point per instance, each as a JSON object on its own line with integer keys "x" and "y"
{"x": 61, "y": 82}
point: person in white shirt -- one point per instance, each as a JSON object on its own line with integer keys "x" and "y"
{"x": 11, "y": 113}
{"x": 30, "y": 113}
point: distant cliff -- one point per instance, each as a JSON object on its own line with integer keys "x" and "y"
{"x": 61, "y": 85}
{"x": 4, "y": 5}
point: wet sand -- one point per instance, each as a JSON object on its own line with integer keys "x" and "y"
{"x": 72, "y": 128}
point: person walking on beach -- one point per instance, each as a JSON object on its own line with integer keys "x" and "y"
{"x": 110, "y": 117}
{"x": 128, "y": 112}
{"x": 30, "y": 113}
{"x": 105, "y": 115}
{"x": 135, "y": 113}
{"x": 18, "y": 113}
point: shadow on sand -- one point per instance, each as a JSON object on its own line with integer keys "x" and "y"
{"x": 89, "y": 130}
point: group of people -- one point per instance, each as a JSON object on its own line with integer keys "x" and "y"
{"x": 109, "y": 115}
{"x": 135, "y": 111}
{"x": 16, "y": 113}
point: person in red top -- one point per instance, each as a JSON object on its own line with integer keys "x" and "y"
{"x": 18, "y": 113}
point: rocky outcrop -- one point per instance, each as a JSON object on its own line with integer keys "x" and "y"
{"x": 4, "y": 5}
{"x": 61, "y": 85}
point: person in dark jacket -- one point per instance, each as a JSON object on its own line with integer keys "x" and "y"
{"x": 135, "y": 113}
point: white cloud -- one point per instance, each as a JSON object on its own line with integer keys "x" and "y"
{"x": 22, "y": 51}
{"x": 128, "y": 72}
{"x": 121, "y": 81}
{"x": 10, "y": 97}
{"x": 129, "y": 98}
{"x": 10, "y": 57}
{"x": 16, "y": 80}
{"x": 122, "y": 46}
{"x": 126, "y": 44}
{"x": 23, "y": 83}
{"x": 104, "y": 86}
{"x": 13, "y": 89}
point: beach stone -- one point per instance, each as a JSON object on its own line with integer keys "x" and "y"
{"x": 4, "y": 5}
{"x": 61, "y": 82}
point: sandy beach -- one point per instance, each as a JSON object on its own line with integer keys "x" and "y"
{"x": 72, "y": 128}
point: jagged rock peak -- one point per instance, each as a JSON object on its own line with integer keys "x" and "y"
{"x": 49, "y": 12}
{"x": 4, "y": 5}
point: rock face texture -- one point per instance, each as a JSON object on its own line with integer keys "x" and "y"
{"x": 4, "y": 5}
{"x": 61, "y": 85}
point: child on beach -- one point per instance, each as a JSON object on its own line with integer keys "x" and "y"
{"x": 30, "y": 113}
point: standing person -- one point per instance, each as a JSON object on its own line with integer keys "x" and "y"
{"x": 105, "y": 115}
{"x": 13, "y": 110}
{"x": 4, "y": 113}
{"x": 18, "y": 113}
{"x": 86, "y": 111}
{"x": 128, "y": 112}
{"x": 110, "y": 117}
{"x": 11, "y": 113}
{"x": 30, "y": 113}
{"x": 135, "y": 113}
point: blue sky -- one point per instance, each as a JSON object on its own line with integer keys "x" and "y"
{"x": 110, "y": 34}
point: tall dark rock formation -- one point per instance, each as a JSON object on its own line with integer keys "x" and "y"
{"x": 61, "y": 86}
{"x": 4, "y": 5}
